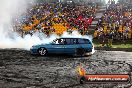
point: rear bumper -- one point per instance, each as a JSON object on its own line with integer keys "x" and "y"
{"x": 89, "y": 50}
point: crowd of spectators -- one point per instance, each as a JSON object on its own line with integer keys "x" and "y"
{"x": 56, "y": 18}
{"x": 115, "y": 24}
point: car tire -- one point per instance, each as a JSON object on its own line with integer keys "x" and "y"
{"x": 79, "y": 52}
{"x": 42, "y": 51}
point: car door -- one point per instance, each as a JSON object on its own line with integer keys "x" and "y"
{"x": 57, "y": 46}
{"x": 85, "y": 44}
{"x": 70, "y": 45}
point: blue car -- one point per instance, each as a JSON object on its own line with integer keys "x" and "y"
{"x": 71, "y": 46}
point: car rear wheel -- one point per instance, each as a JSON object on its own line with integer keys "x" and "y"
{"x": 42, "y": 51}
{"x": 80, "y": 52}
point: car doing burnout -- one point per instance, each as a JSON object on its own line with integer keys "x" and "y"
{"x": 72, "y": 46}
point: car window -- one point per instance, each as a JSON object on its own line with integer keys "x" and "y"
{"x": 59, "y": 41}
{"x": 81, "y": 41}
{"x": 67, "y": 41}
{"x": 70, "y": 41}
{"x": 73, "y": 41}
{"x": 87, "y": 41}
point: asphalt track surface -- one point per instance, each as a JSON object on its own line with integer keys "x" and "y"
{"x": 20, "y": 69}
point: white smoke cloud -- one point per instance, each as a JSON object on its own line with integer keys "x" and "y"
{"x": 10, "y": 9}
{"x": 8, "y": 38}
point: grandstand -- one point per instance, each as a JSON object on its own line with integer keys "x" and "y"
{"x": 56, "y": 18}
{"x": 113, "y": 24}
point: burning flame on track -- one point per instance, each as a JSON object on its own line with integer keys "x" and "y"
{"x": 81, "y": 70}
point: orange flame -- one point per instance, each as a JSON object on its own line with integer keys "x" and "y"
{"x": 81, "y": 71}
